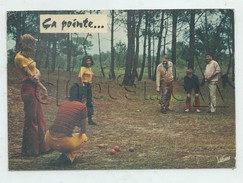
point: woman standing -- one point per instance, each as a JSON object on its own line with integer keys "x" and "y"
{"x": 34, "y": 126}
{"x": 85, "y": 78}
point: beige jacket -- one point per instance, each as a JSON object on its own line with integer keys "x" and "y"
{"x": 163, "y": 75}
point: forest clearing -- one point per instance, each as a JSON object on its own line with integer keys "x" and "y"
{"x": 130, "y": 118}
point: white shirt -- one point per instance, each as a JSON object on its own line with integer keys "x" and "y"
{"x": 211, "y": 69}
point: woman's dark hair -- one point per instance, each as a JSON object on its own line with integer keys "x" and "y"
{"x": 85, "y": 58}
{"x": 76, "y": 93}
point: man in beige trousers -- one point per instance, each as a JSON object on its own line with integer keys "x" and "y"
{"x": 211, "y": 76}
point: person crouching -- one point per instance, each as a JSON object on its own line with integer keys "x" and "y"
{"x": 61, "y": 135}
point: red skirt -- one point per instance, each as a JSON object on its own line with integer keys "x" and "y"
{"x": 33, "y": 143}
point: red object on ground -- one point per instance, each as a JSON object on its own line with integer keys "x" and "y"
{"x": 117, "y": 148}
{"x": 113, "y": 151}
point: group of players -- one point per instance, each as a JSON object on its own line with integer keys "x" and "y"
{"x": 165, "y": 78}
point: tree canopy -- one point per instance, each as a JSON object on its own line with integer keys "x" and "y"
{"x": 138, "y": 39}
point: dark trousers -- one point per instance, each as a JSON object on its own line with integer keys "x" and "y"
{"x": 34, "y": 126}
{"x": 88, "y": 98}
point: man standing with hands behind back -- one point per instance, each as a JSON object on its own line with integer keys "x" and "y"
{"x": 211, "y": 76}
{"x": 164, "y": 80}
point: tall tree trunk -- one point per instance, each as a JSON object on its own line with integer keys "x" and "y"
{"x": 135, "y": 73}
{"x": 18, "y": 29}
{"x": 48, "y": 51}
{"x": 75, "y": 56}
{"x": 23, "y": 22}
{"x": 192, "y": 40}
{"x": 159, "y": 44}
{"x": 174, "y": 31}
{"x": 144, "y": 47}
{"x": 230, "y": 56}
{"x": 38, "y": 51}
{"x": 233, "y": 43}
{"x": 112, "y": 72}
{"x": 130, "y": 48}
{"x": 101, "y": 66}
{"x": 149, "y": 49}
{"x": 153, "y": 56}
{"x": 54, "y": 52}
{"x": 206, "y": 49}
{"x": 166, "y": 31}
{"x": 69, "y": 51}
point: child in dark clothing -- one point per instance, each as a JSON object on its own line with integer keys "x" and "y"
{"x": 191, "y": 82}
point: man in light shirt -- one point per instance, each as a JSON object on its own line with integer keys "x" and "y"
{"x": 164, "y": 80}
{"x": 211, "y": 76}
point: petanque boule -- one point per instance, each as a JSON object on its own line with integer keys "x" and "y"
{"x": 113, "y": 151}
{"x": 131, "y": 149}
{"x": 117, "y": 148}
